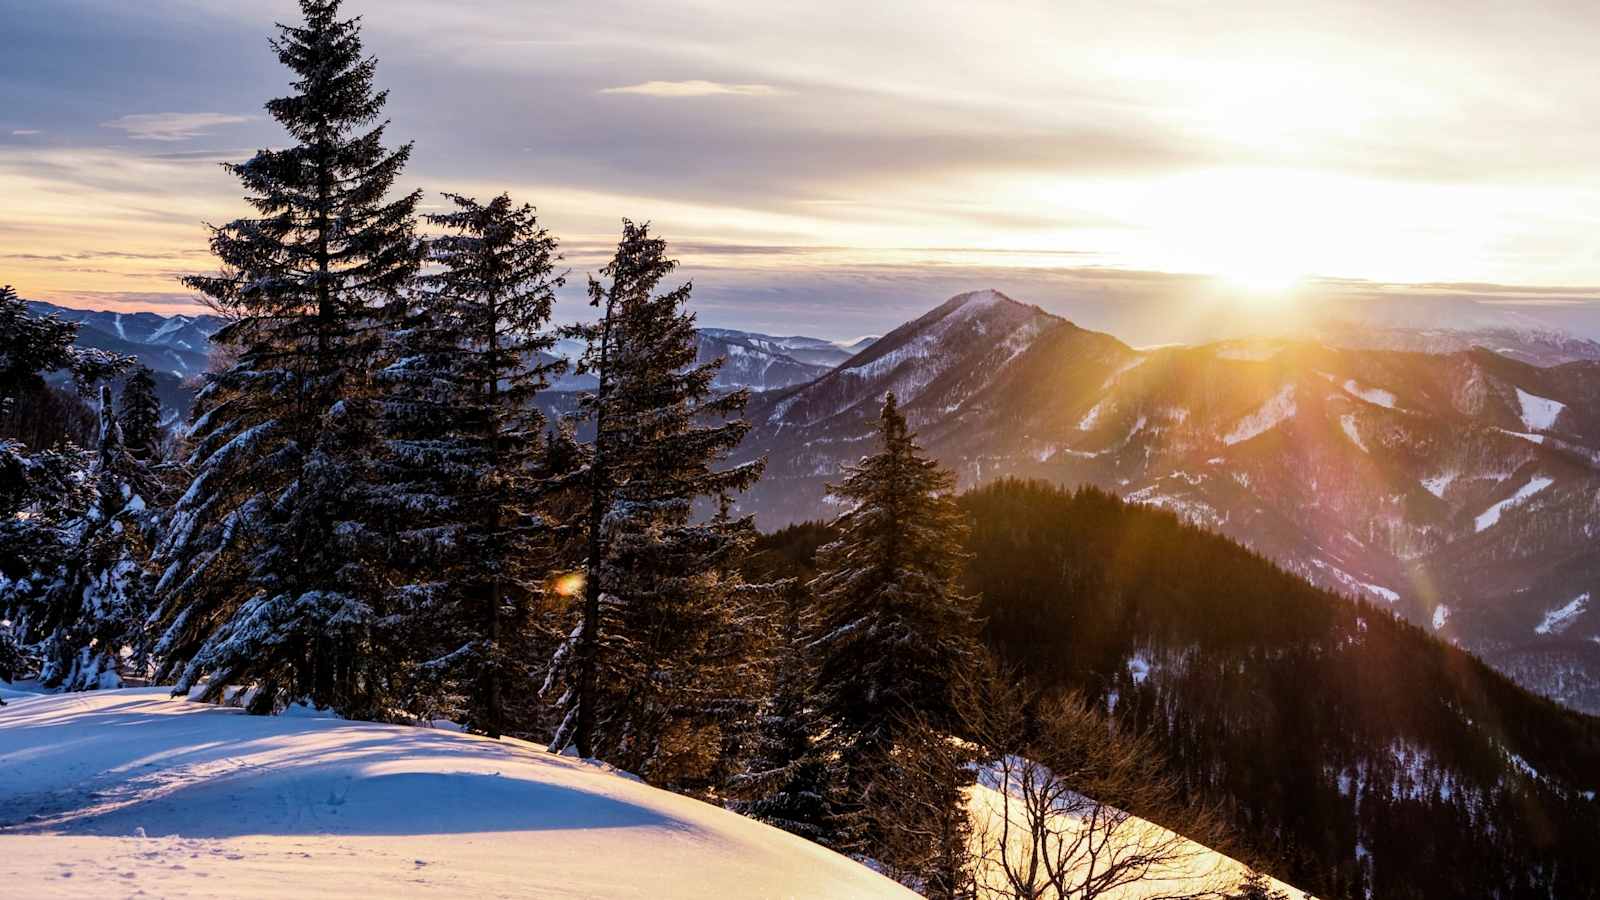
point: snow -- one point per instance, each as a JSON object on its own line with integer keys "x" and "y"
{"x": 1348, "y": 423}
{"x": 1381, "y": 591}
{"x": 1441, "y": 615}
{"x": 1191, "y": 869}
{"x": 167, "y": 327}
{"x": 1558, "y": 620}
{"x": 1375, "y": 396}
{"x": 1092, "y": 416}
{"x": 117, "y": 321}
{"x": 1274, "y": 411}
{"x": 1535, "y": 438}
{"x": 1489, "y": 517}
{"x": 112, "y": 793}
{"x": 1538, "y": 413}
{"x": 1438, "y": 484}
{"x": 1139, "y": 668}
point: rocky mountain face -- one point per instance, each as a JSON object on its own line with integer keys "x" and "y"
{"x": 1459, "y": 490}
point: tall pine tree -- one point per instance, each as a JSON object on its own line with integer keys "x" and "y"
{"x": 895, "y": 633}
{"x": 139, "y": 415}
{"x": 786, "y": 777}
{"x": 92, "y": 616}
{"x": 267, "y": 582}
{"x": 464, "y": 462}
{"x": 654, "y": 666}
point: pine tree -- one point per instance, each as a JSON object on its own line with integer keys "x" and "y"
{"x": 895, "y": 635}
{"x": 464, "y": 449}
{"x": 267, "y": 579}
{"x": 33, "y": 346}
{"x": 139, "y": 415}
{"x": 1257, "y": 887}
{"x": 655, "y": 662}
{"x": 92, "y": 615}
{"x": 785, "y": 781}
{"x": 12, "y": 660}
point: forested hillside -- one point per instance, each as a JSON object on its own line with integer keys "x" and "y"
{"x": 1357, "y": 755}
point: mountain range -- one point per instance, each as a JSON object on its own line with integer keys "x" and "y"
{"x": 175, "y": 348}
{"x": 1439, "y": 473}
{"x": 1459, "y": 490}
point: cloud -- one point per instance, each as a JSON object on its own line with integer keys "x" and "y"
{"x": 25, "y": 132}
{"x": 696, "y": 88}
{"x": 172, "y": 126}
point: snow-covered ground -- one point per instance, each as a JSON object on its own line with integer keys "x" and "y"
{"x": 115, "y": 793}
{"x": 130, "y": 792}
{"x": 1180, "y": 869}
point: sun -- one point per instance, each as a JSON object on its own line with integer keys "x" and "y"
{"x": 1262, "y": 283}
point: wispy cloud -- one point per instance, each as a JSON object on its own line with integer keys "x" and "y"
{"x": 172, "y": 126}
{"x": 25, "y": 132}
{"x": 696, "y": 88}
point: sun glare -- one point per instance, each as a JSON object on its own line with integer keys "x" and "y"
{"x": 1261, "y": 284}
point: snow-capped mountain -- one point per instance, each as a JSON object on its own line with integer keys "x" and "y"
{"x": 754, "y": 361}
{"x": 808, "y": 350}
{"x": 1461, "y": 490}
{"x": 177, "y": 344}
{"x": 763, "y": 363}
{"x": 174, "y": 348}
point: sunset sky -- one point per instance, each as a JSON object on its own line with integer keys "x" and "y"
{"x": 833, "y": 168}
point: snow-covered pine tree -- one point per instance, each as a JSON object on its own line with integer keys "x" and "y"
{"x": 12, "y": 660}
{"x": 785, "y": 781}
{"x": 462, "y": 470}
{"x": 33, "y": 346}
{"x": 91, "y": 621}
{"x": 267, "y": 582}
{"x": 655, "y": 663}
{"x": 139, "y": 414}
{"x": 895, "y": 633}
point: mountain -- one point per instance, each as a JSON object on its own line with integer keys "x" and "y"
{"x": 1461, "y": 490}
{"x": 178, "y": 345}
{"x": 809, "y": 350}
{"x": 763, "y": 363}
{"x": 116, "y": 793}
{"x": 1538, "y": 346}
{"x": 175, "y": 348}
{"x": 1354, "y": 754}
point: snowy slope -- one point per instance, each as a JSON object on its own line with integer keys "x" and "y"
{"x": 310, "y": 806}
{"x": 1186, "y": 868}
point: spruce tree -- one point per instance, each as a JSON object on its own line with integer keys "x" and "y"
{"x": 139, "y": 415}
{"x": 12, "y": 660}
{"x": 33, "y": 346}
{"x": 655, "y": 664}
{"x": 91, "y": 620}
{"x": 895, "y": 633}
{"x": 464, "y": 461}
{"x": 268, "y": 579}
{"x": 785, "y": 781}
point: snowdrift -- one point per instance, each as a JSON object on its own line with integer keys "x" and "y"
{"x": 116, "y": 792}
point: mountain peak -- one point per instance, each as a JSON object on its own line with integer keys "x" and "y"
{"x": 985, "y": 297}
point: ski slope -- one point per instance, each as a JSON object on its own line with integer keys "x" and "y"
{"x": 112, "y": 793}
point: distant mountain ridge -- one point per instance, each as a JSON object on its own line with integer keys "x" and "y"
{"x": 1538, "y": 346}
{"x": 1460, "y": 490}
{"x": 176, "y": 349}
